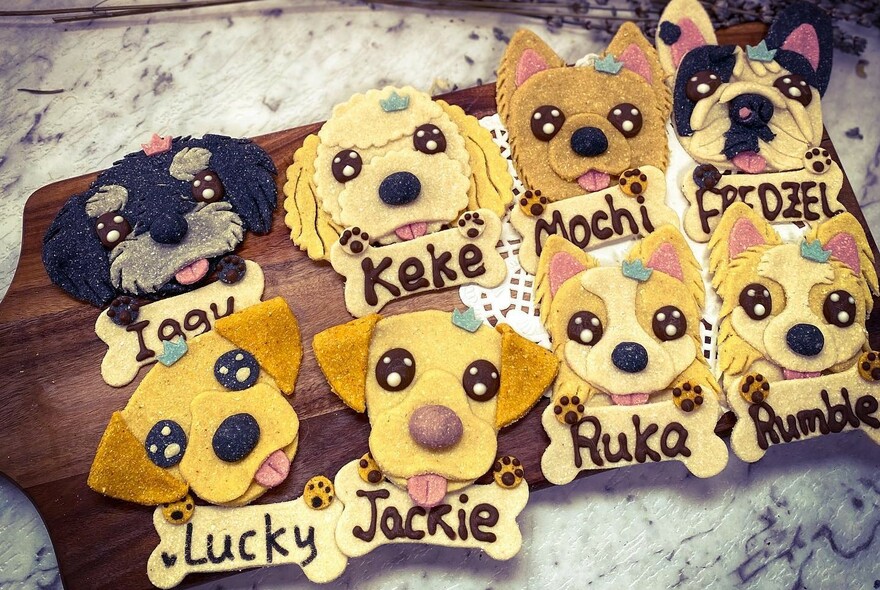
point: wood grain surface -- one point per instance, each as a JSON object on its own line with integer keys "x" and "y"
{"x": 54, "y": 405}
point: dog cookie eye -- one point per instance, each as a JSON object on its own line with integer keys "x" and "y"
{"x": 112, "y": 228}
{"x": 346, "y": 165}
{"x": 396, "y": 369}
{"x": 236, "y": 370}
{"x": 585, "y": 327}
{"x": 428, "y": 139}
{"x": 701, "y": 85}
{"x": 207, "y": 188}
{"x": 236, "y": 437}
{"x": 166, "y": 443}
{"x": 794, "y": 87}
{"x": 546, "y": 122}
{"x": 755, "y": 299}
{"x": 481, "y": 380}
{"x": 839, "y": 309}
{"x": 669, "y": 323}
{"x": 626, "y": 118}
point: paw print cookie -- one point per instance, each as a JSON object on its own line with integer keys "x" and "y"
{"x": 869, "y": 366}
{"x": 355, "y": 241}
{"x": 179, "y": 512}
{"x": 231, "y": 269}
{"x": 706, "y": 176}
{"x": 470, "y": 225}
{"x": 533, "y": 204}
{"x": 687, "y": 396}
{"x": 817, "y": 160}
{"x": 754, "y": 388}
{"x": 633, "y": 182}
{"x": 508, "y": 472}
{"x": 568, "y": 410}
{"x": 318, "y": 492}
{"x": 369, "y": 470}
{"x": 123, "y": 310}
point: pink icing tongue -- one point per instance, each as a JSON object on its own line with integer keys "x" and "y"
{"x": 192, "y": 273}
{"x": 630, "y": 399}
{"x": 750, "y": 162}
{"x": 274, "y": 470}
{"x": 593, "y": 180}
{"x": 426, "y": 490}
{"x": 792, "y": 374}
{"x": 412, "y": 231}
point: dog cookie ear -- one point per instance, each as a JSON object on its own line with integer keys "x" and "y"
{"x": 684, "y": 25}
{"x": 525, "y": 56}
{"x": 630, "y": 47}
{"x": 342, "y": 353}
{"x": 527, "y": 370}
{"x": 560, "y": 260}
{"x": 311, "y": 228}
{"x": 845, "y": 239}
{"x": 665, "y": 250}
{"x": 740, "y": 228}
{"x": 802, "y": 37}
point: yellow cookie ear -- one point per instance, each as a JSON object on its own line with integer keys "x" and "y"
{"x": 491, "y": 184}
{"x": 560, "y": 260}
{"x": 739, "y": 229}
{"x": 527, "y": 370}
{"x": 525, "y": 56}
{"x": 684, "y": 25}
{"x": 631, "y": 47}
{"x": 845, "y": 239}
{"x": 665, "y": 250}
{"x": 311, "y": 228}
{"x": 342, "y": 353}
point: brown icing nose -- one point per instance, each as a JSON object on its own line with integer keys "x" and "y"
{"x": 435, "y": 427}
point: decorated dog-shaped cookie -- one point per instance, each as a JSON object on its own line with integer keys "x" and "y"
{"x": 792, "y": 326}
{"x": 633, "y": 384}
{"x": 436, "y": 393}
{"x": 159, "y": 221}
{"x": 212, "y": 419}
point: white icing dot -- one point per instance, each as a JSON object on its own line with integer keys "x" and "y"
{"x": 208, "y": 193}
{"x": 118, "y": 219}
{"x": 172, "y": 450}
{"x": 431, "y": 145}
{"x": 851, "y": 300}
{"x": 113, "y": 235}
{"x": 661, "y": 317}
{"x": 766, "y": 293}
{"x": 243, "y": 374}
{"x": 198, "y": 183}
{"x": 617, "y": 112}
{"x": 352, "y": 155}
{"x": 634, "y": 112}
{"x": 435, "y": 131}
{"x": 586, "y": 336}
{"x": 386, "y": 360}
{"x": 694, "y": 79}
{"x": 548, "y": 128}
{"x": 794, "y": 92}
{"x": 627, "y": 125}
{"x": 703, "y": 88}
{"x": 554, "y": 112}
{"x": 536, "y": 116}
{"x": 100, "y": 226}
{"x": 750, "y": 292}
{"x": 843, "y": 317}
{"x": 223, "y": 370}
{"x": 787, "y": 80}
{"x": 595, "y": 321}
{"x": 713, "y": 77}
{"x": 209, "y": 178}
{"x": 480, "y": 389}
{"x": 239, "y": 357}
{"x": 671, "y": 330}
{"x": 166, "y": 430}
{"x": 803, "y": 83}
{"x": 393, "y": 379}
{"x": 473, "y": 371}
{"x": 336, "y": 160}
{"x": 153, "y": 448}
{"x": 494, "y": 375}
{"x": 835, "y": 297}
{"x": 420, "y": 133}
{"x": 760, "y": 310}
{"x": 578, "y": 321}
{"x": 348, "y": 171}
{"x": 676, "y": 314}
{"x": 407, "y": 362}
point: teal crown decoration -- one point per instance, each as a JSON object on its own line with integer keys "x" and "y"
{"x": 608, "y": 65}
{"x": 760, "y": 52}
{"x": 466, "y": 320}
{"x": 814, "y": 251}
{"x": 636, "y": 270}
{"x": 394, "y": 102}
{"x": 173, "y": 350}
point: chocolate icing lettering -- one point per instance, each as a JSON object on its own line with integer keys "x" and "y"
{"x": 671, "y": 443}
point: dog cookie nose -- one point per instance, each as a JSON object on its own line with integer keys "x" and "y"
{"x": 630, "y": 357}
{"x": 805, "y": 339}
{"x": 236, "y": 437}
{"x": 751, "y": 110}
{"x": 400, "y": 188}
{"x": 589, "y": 141}
{"x": 435, "y": 427}
{"x": 168, "y": 228}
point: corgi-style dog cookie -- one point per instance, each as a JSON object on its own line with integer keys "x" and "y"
{"x": 633, "y": 383}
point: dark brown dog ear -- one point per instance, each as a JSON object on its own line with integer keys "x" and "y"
{"x": 342, "y": 353}
{"x": 526, "y": 55}
{"x": 527, "y": 370}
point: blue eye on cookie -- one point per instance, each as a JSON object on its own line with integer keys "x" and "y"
{"x": 166, "y": 443}
{"x": 237, "y": 370}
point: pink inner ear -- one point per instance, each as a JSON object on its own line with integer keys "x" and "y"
{"x": 665, "y": 259}
{"x": 743, "y": 236}
{"x": 843, "y": 247}
{"x": 634, "y": 60}
{"x": 563, "y": 266}
{"x": 530, "y": 63}
{"x": 690, "y": 38}
{"x": 804, "y": 40}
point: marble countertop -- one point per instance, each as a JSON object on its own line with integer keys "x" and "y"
{"x": 807, "y": 516}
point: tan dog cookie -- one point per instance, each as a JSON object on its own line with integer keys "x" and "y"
{"x": 574, "y": 130}
{"x": 633, "y": 384}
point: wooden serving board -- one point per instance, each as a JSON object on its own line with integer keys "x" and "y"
{"x": 54, "y": 405}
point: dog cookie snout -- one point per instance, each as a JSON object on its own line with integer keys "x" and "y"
{"x": 751, "y": 110}
{"x": 589, "y": 142}
{"x": 400, "y": 188}
{"x": 630, "y": 357}
{"x": 435, "y": 427}
{"x": 805, "y": 339}
{"x": 236, "y": 437}
{"x": 168, "y": 228}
